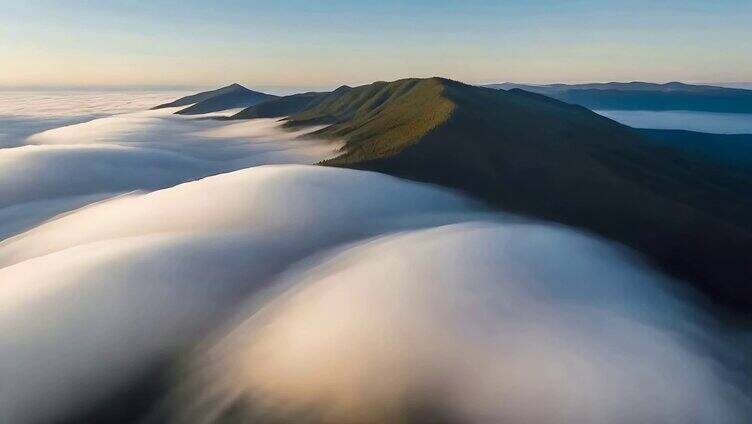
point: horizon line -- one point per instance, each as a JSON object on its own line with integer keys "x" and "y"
{"x": 326, "y": 87}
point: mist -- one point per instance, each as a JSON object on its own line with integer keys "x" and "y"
{"x": 94, "y": 298}
{"x": 531, "y": 324}
{"x": 295, "y": 293}
{"x": 26, "y": 112}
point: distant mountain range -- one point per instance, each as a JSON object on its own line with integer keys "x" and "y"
{"x": 229, "y": 97}
{"x": 534, "y": 155}
{"x": 645, "y": 96}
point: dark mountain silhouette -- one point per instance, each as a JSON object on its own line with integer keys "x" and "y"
{"x": 232, "y": 96}
{"x": 287, "y": 105}
{"x": 199, "y": 97}
{"x": 645, "y": 96}
{"x": 541, "y": 157}
{"x": 241, "y": 97}
{"x": 281, "y": 106}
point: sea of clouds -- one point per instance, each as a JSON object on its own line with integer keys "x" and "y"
{"x": 26, "y": 112}
{"x": 300, "y": 293}
{"x": 58, "y": 169}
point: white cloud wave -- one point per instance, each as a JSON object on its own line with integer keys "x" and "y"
{"x": 474, "y": 323}
{"x": 489, "y": 321}
{"x": 93, "y": 298}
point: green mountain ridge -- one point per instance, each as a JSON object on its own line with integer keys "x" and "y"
{"x": 537, "y": 156}
{"x": 379, "y": 119}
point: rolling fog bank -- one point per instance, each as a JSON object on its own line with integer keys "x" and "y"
{"x": 310, "y": 293}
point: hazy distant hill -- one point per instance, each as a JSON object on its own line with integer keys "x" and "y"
{"x": 620, "y": 86}
{"x": 541, "y": 157}
{"x": 645, "y": 96}
{"x": 232, "y": 96}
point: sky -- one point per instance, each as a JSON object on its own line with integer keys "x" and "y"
{"x": 325, "y": 44}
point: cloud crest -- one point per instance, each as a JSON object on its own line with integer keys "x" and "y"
{"x": 530, "y": 324}
{"x": 93, "y": 298}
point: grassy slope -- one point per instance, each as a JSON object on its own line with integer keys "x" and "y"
{"x": 378, "y": 119}
{"x": 541, "y": 157}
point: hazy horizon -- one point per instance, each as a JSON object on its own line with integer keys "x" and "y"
{"x": 291, "y": 89}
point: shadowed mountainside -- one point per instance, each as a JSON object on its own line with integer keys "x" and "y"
{"x": 537, "y": 156}
{"x": 730, "y": 150}
{"x": 232, "y": 96}
{"x": 645, "y": 96}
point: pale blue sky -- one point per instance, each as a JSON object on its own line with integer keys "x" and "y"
{"x": 305, "y": 43}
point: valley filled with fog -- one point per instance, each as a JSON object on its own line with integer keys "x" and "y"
{"x": 272, "y": 289}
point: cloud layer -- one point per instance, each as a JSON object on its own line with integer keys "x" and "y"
{"x": 463, "y": 314}
{"x": 481, "y": 323}
{"x": 93, "y": 298}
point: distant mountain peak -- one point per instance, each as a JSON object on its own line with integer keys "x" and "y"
{"x": 227, "y": 97}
